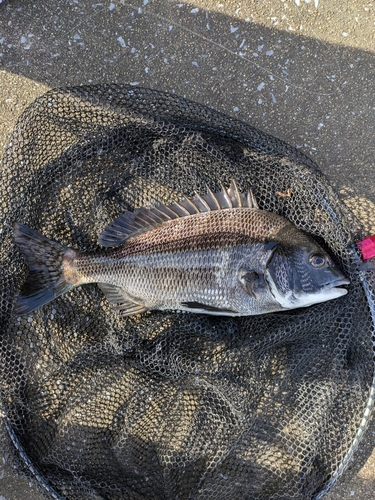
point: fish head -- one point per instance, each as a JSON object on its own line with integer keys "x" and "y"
{"x": 300, "y": 273}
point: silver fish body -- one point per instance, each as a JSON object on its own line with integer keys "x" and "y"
{"x": 217, "y": 254}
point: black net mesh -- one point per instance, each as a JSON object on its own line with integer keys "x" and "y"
{"x": 173, "y": 405}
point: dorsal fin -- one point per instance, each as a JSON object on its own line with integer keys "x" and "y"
{"x": 132, "y": 223}
{"x": 244, "y": 200}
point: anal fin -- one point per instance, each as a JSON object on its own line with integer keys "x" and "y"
{"x": 121, "y": 301}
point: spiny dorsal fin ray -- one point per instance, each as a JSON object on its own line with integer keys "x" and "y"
{"x": 213, "y": 199}
{"x": 188, "y": 206}
{"x": 223, "y": 198}
{"x": 132, "y": 223}
{"x": 239, "y": 200}
{"x": 201, "y": 203}
{"x": 235, "y": 195}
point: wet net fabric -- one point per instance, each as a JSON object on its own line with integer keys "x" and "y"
{"x": 169, "y": 405}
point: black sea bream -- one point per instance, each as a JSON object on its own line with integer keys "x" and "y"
{"x": 213, "y": 254}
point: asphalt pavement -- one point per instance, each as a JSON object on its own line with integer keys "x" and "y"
{"x": 303, "y": 71}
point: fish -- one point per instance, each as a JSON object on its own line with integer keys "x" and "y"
{"x": 216, "y": 254}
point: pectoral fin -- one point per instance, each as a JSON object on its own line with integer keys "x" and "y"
{"x": 251, "y": 281}
{"x": 121, "y": 301}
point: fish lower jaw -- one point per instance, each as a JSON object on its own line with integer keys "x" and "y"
{"x": 323, "y": 296}
{"x": 294, "y": 301}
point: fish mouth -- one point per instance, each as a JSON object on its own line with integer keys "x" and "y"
{"x": 332, "y": 290}
{"x": 339, "y": 286}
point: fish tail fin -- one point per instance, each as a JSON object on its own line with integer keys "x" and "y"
{"x": 47, "y": 276}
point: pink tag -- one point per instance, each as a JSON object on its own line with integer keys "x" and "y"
{"x": 367, "y": 247}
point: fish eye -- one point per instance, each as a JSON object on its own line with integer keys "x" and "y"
{"x": 317, "y": 260}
